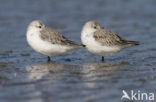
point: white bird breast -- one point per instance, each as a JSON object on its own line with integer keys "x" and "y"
{"x": 44, "y": 47}
{"x": 97, "y": 48}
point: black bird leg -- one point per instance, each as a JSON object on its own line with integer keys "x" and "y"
{"x": 48, "y": 59}
{"x": 102, "y": 59}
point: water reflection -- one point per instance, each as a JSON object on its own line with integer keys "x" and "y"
{"x": 97, "y": 72}
{"x": 91, "y": 70}
{"x": 63, "y": 79}
{"x": 52, "y": 69}
{"x": 107, "y": 66}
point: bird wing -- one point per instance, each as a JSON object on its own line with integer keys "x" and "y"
{"x": 108, "y": 38}
{"x": 54, "y": 37}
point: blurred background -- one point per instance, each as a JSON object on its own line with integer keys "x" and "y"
{"x": 68, "y": 17}
{"x": 79, "y": 76}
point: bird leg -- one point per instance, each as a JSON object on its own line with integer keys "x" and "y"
{"x": 102, "y": 59}
{"x": 48, "y": 59}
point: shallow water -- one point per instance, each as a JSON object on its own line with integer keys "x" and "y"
{"x": 78, "y": 76}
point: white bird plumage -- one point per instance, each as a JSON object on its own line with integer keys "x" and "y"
{"x": 47, "y": 41}
{"x": 101, "y": 41}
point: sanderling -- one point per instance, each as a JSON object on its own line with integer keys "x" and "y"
{"x": 101, "y": 41}
{"x": 47, "y": 41}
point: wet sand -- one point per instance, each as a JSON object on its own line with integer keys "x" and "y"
{"x": 78, "y": 76}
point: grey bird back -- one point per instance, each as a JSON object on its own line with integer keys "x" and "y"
{"x": 54, "y": 37}
{"x": 107, "y": 38}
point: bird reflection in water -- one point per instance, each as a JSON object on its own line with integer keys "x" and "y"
{"x": 95, "y": 72}
{"x": 51, "y": 70}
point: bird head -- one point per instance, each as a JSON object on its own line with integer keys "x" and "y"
{"x": 36, "y": 25}
{"x": 91, "y": 26}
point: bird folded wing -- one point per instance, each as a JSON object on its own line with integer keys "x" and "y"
{"x": 54, "y": 37}
{"x": 107, "y": 38}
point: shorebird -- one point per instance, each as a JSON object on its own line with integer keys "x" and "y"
{"x": 47, "y": 41}
{"x": 101, "y": 41}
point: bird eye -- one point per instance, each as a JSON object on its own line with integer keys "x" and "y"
{"x": 95, "y": 27}
{"x": 39, "y": 26}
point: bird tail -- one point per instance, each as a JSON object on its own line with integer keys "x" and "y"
{"x": 133, "y": 42}
{"x": 77, "y": 46}
{"x": 82, "y": 46}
